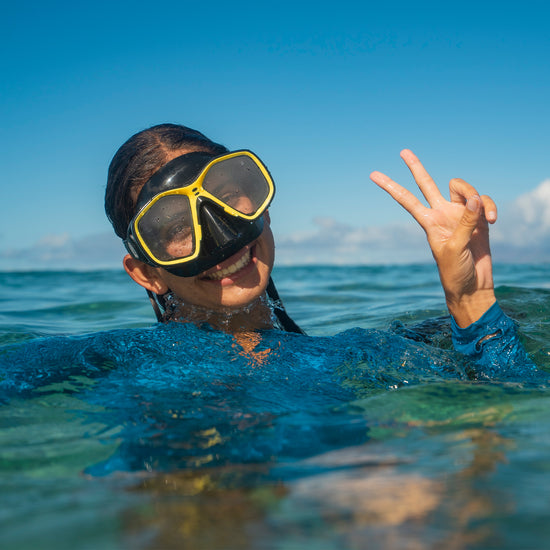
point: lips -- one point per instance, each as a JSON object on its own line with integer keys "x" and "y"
{"x": 241, "y": 262}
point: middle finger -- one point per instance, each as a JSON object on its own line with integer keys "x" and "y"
{"x": 424, "y": 181}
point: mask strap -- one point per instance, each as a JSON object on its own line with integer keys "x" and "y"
{"x": 280, "y": 312}
{"x": 155, "y": 299}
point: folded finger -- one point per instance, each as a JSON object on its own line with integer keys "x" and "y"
{"x": 490, "y": 208}
{"x": 461, "y": 191}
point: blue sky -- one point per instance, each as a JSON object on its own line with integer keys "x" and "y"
{"x": 324, "y": 93}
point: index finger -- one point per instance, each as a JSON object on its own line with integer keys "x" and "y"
{"x": 403, "y": 196}
{"x": 424, "y": 181}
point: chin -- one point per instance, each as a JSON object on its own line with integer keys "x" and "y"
{"x": 242, "y": 297}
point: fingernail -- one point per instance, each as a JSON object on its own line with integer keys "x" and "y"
{"x": 473, "y": 203}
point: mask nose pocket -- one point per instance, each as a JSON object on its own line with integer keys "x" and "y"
{"x": 218, "y": 231}
{"x": 224, "y": 233}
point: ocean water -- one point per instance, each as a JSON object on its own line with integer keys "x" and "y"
{"x": 119, "y": 433}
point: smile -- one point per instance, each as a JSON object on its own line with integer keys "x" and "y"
{"x": 243, "y": 261}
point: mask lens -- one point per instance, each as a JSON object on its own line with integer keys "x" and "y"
{"x": 239, "y": 183}
{"x": 167, "y": 228}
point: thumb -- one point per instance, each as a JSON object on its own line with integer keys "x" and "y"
{"x": 468, "y": 222}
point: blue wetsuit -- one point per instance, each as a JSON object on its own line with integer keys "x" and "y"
{"x": 493, "y": 344}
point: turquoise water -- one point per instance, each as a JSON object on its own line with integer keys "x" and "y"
{"x": 118, "y": 433}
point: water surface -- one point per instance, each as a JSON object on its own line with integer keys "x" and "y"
{"x": 119, "y": 433}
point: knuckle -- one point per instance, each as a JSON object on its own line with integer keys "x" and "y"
{"x": 457, "y": 181}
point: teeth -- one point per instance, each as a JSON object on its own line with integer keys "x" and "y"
{"x": 245, "y": 259}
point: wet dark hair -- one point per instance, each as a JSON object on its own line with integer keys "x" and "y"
{"x": 138, "y": 159}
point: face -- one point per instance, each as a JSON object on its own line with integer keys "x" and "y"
{"x": 233, "y": 283}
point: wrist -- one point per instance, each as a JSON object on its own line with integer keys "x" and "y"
{"x": 469, "y": 308}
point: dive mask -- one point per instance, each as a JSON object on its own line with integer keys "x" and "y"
{"x": 198, "y": 210}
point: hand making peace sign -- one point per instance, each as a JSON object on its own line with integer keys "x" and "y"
{"x": 458, "y": 235}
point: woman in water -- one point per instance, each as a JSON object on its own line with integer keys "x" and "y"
{"x": 194, "y": 219}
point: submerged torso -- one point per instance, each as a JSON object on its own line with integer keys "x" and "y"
{"x": 173, "y": 394}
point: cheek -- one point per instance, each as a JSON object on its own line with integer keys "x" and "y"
{"x": 184, "y": 287}
{"x": 266, "y": 252}
{"x": 244, "y": 205}
{"x": 180, "y": 248}
{"x": 267, "y": 234}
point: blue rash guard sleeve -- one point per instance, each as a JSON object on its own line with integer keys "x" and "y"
{"x": 493, "y": 344}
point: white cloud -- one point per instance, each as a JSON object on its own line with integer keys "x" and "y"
{"x": 54, "y": 241}
{"x": 521, "y": 234}
{"x": 334, "y": 242}
{"x": 103, "y": 250}
{"x": 534, "y": 206}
